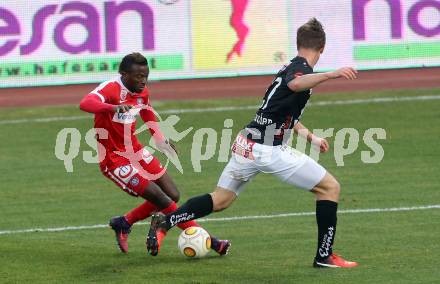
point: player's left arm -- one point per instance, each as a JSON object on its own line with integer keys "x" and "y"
{"x": 148, "y": 116}
{"x": 304, "y": 132}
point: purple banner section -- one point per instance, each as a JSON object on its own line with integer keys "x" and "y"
{"x": 89, "y": 18}
{"x": 414, "y": 14}
{"x": 12, "y": 27}
{"x": 396, "y": 18}
{"x": 113, "y": 10}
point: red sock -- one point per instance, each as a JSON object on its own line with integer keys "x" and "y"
{"x": 188, "y": 224}
{"x": 170, "y": 208}
{"x": 140, "y": 213}
{"x": 182, "y": 226}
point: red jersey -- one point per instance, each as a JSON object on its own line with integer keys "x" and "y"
{"x": 120, "y": 126}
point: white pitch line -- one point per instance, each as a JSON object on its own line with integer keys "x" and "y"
{"x": 46, "y": 119}
{"x": 231, "y": 108}
{"x": 227, "y": 219}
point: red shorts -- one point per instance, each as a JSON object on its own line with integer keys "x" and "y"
{"x": 134, "y": 178}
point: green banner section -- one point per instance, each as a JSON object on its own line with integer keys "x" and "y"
{"x": 84, "y": 66}
{"x": 397, "y": 51}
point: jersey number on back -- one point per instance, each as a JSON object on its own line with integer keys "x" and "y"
{"x": 273, "y": 88}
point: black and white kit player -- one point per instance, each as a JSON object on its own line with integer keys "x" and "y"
{"x": 261, "y": 147}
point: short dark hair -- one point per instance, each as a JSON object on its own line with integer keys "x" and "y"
{"x": 131, "y": 59}
{"x": 311, "y": 35}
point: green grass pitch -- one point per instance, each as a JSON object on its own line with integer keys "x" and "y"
{"x": 391, "y": 247}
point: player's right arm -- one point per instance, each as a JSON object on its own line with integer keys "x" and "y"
{"x": 99, "y": 100}
{"x": 309, "y": 81}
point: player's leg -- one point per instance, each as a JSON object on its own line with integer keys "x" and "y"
{"x": 145, "y": 209}
{"x": 169, "y": 187}
{"x": 196, "y": 207}
{"x": 166, "y": 183}
{"x": 327, "y": 195}
{"x": 327, "y": 189}
{"x": 122, "y": 224}
{"x": 158, "y": 191}
{"x": 200, "y": 206}
{"x": 231, "y": 183}
{"x": 132, "y": 182}
{"x": 154, "y": 194}
{"x": 153, "y": 202}
{"x": 141, "y": 212}
{"x": 155, "y": 199}
{"x": 300, "y": 170}
{"x": 222, "y": 198}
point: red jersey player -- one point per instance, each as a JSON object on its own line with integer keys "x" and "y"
{"x": 125, "y": 161}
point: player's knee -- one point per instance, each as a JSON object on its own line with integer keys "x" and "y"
{"x": 155, "y": 195}
{"x": 328, "y": 189}
{"x": 175, "y": 196}
{"x": 221, "y": 205}
{"x": 333, "y": 188}
{"x": 222, "y": 200}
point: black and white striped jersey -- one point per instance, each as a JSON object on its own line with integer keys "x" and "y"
{"x": 281, "y": 108}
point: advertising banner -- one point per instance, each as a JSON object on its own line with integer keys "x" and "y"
{"x": 52, "y": 42}
{"x": 64, "y": 42}
{"x": 375, "y": 34}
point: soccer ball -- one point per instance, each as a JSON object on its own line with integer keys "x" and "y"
{"x": 194, "y": 242}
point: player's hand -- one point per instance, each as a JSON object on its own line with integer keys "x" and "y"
{"x": 348, "y": 73}
{"x": 174, "y": 147}
{"x": 322, "y": 143}
{"x": 167, "y": 148}
{"x": 121, "y": 108}
{"x": 324, "y": 146}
